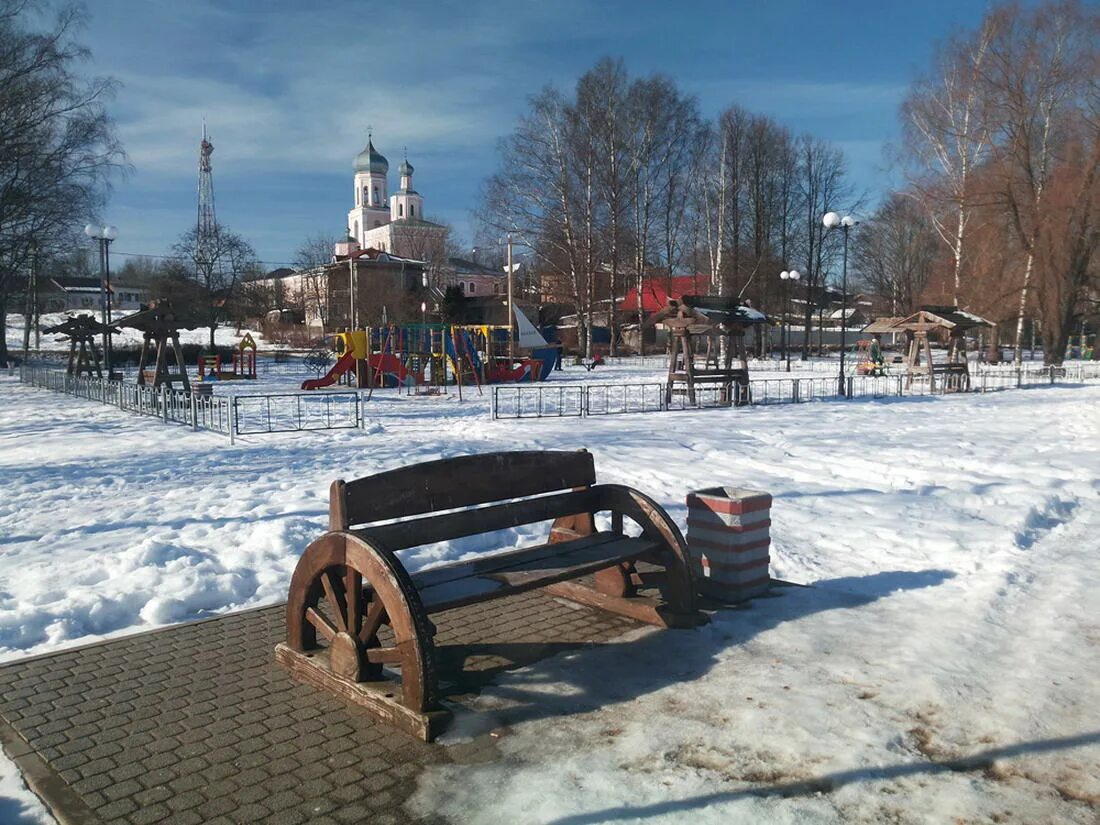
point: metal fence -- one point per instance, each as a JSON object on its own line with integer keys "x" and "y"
{"x": 580, "y": 400}
{"x": 197, "y": 411}
{"x": 227, "y": 415}
{"x": 293, "y": 412}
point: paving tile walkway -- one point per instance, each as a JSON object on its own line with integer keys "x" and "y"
{"x": 197, "y": 724}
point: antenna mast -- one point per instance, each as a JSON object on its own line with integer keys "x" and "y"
{"x": 207, "y": 225}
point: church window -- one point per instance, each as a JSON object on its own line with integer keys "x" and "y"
{"x": 377, "y": 200}
{"x": 357, "y": 230}
{"x": 473, "y": 289}
{"x": 412, "y": 210}
{"x": 400, "y": 210}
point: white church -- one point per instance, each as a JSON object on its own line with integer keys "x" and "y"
{"x": 394, "y": 223}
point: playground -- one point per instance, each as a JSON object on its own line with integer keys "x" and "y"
{"x": 840, "y": 701}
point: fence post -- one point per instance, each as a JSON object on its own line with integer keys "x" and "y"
{"x": 794, "y": 390}
{"x": 232, "y": 419}
{"x": 1051, "y": 369}
{"x": 164, "y": 403}
{"x": 194, "y": 412}
{"x": 493, "y": 402}
{"x": 851, "y": 383}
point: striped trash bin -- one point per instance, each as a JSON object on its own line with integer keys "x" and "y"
{"x": 728, "y": 538}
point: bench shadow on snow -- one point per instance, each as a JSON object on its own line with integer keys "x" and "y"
{"x": 565, "y": 678}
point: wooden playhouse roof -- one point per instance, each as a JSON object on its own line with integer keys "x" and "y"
{"x": 79, "y": 326}
{"x": 159, "y": 317}
{"x": 928, "y": 318}
{"x": 704, "y": 313}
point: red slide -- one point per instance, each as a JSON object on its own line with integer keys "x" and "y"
{"x": 346, "y": 362}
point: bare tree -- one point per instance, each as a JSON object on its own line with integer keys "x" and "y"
{"x": 821, "y": 177}
{"x": 57, "y": 143}
{"x": 894, "y": 253}
{"x": 218, "y": 266}
{"x": 1039, "y": 83}
{"x": 947, "y": 138}
{"x": 540, "y": 196}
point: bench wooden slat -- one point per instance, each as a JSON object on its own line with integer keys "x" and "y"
{"x": 451, "y": 483}
{"x": 444, "y": 526}
{"x": 494, "y": 562}
{"x": 566, "y": 560}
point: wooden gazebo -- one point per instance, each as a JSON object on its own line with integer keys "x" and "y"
{"x": 950, "y": 322}
{"x": 161, "y": 325}
{"x": 81, "y": 330}
{"x": 721, "y": 323}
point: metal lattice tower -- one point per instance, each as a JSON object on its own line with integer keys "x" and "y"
{"x": 207, "y": 226}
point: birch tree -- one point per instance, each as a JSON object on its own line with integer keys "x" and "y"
{"x": 947, "y": 138}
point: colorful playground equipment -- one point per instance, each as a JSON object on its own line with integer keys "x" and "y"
{"x": 430, "y": 357}
{"x": 1081, "y": 346}
{"x": 244, "y": 363}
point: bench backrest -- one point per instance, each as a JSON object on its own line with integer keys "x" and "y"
{"x": 454, "y": 483}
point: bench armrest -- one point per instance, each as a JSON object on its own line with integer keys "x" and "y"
{"x": 636, "y": 505}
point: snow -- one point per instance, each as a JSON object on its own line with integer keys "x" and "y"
{"x": 950, "y": 541}
{"x": 223, "y": 336}
{"x": 18, "y": 806}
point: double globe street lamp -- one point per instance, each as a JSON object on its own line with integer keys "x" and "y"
{"x": 831, "y": 220}
{"x": 104, "y": 234}
{"x": 788, "y": 278}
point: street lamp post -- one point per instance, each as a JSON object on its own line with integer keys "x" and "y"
{"x": 104, "y": 234}
{"x": 788, "y": 278}
{"x": 831, "y": 220}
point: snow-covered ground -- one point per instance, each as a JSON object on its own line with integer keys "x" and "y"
{"x": 952, "y": 542}
{"x": 223, "y": 336}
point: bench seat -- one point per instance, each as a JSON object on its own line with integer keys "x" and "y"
{"x": 502, "y": 574}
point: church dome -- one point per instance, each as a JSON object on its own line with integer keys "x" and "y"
{"x": 405, "y": 168}
{"x": 371, "y": 160}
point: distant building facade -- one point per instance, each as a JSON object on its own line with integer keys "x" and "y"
{"x": 62, "y": 294}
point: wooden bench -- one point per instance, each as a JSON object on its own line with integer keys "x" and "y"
{"x": 357, "y": 621}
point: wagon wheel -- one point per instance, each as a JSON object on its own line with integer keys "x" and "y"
{"x": 356, "y": 602}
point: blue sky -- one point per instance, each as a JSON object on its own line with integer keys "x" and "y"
{"x": 288, "y": 90}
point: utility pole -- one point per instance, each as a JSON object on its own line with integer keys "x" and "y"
{"x": 34, "y": 282}
{"x": 30, "y": 312}
{"x": 353, "y": 314}
{"x": 511, "y": 311}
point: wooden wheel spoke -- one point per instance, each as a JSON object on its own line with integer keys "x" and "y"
{"x": 336, "y": 598}
{"x": 376, "y": 615}
{"x": 323, "y": 625}
{"x": 353, "y": 590}
{"x": 383, "y": 655}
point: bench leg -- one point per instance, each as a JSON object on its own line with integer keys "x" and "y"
{"x": 352, "y": 612}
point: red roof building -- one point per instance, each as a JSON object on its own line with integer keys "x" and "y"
{"x": 657, "y": 291}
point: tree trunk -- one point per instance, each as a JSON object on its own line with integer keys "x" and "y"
{"x": 1019, "y": 342}
{"x": 3, "y": 328}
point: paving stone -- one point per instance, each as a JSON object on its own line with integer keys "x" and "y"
{"x": 121, "y": 789}
{"x": 216, "y": 807}
{"x": 149, "y": 814}
{"x": 248, "y": 814}
{"x": 149, "y": 796}
{"x": 116, "y": 810}
{"x": 186, "y": 800}
{"x": 154, "y": 729}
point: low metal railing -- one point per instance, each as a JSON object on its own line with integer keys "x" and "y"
{"x": 195, "y": 410}
{"x": 582, "y": 400}
{"x": 294, "y": 412}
